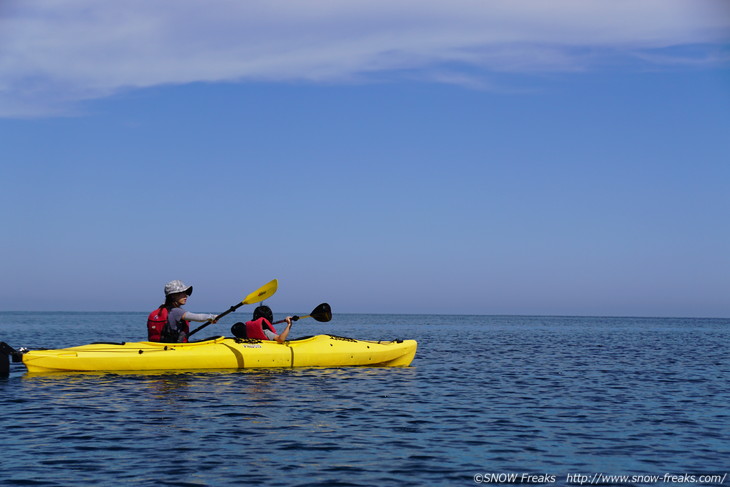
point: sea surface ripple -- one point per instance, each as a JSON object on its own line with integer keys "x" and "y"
{"x": 551, "y": 396}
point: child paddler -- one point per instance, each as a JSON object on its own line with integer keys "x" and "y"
{"x": 261, "y": 326}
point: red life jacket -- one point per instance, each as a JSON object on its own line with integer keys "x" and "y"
{"x": 156, "y": 322}
{"x": 158, "y": 329}
{"x": 255, "y": 329}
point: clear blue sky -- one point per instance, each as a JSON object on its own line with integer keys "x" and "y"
{"x": 387, "y": 157}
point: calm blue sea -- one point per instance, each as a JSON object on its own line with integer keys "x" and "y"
{"x": 488, "y": 399}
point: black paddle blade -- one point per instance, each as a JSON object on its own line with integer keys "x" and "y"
{"x": 322, "y": 313}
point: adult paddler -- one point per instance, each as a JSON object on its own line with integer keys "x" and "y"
{"x": 170, "y": 323}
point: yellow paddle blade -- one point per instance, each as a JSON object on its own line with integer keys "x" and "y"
{"x": 262, "y": 293}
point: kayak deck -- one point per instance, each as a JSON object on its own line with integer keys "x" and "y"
{"x": 224, "y": 353}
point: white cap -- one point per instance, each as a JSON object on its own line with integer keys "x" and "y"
{"x": 174, "y": 287}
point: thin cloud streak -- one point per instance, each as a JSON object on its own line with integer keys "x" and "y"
{"x": 54, "y": 53}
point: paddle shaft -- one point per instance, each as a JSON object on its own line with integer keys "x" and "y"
{"x": 229, "y": 311}
{"x": 322, "y": 313}
{"x": 262, "y": 293}
{"x": 293, "y": 318}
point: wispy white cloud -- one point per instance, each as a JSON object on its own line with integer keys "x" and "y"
{"x": 54, "y": 53}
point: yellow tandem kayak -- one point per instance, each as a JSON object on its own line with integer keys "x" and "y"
{"x": 224, "y": 353}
